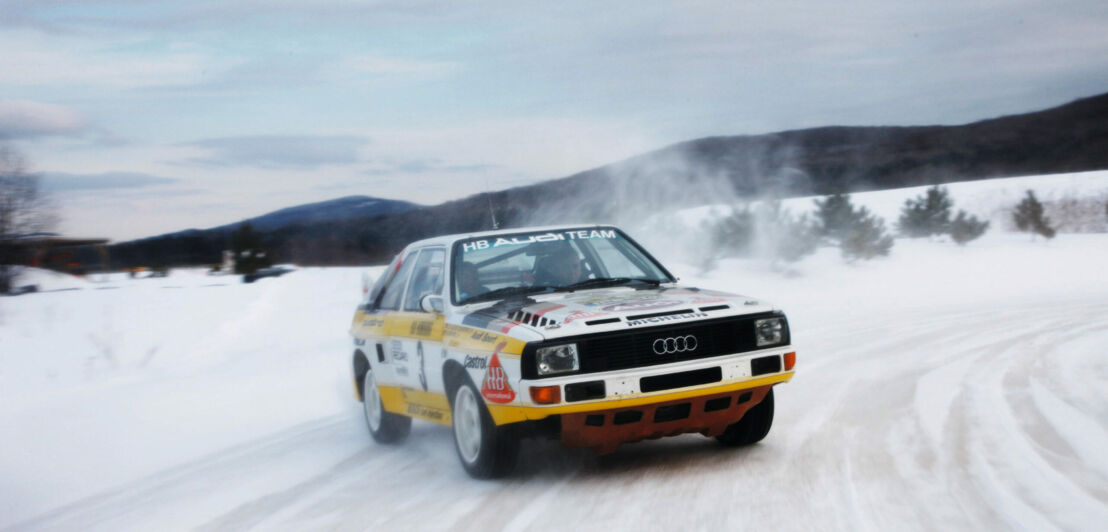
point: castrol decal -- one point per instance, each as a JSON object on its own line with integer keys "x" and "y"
{"x": 495, "y": 387}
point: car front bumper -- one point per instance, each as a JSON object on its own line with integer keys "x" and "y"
{"x": 731, "y": 374}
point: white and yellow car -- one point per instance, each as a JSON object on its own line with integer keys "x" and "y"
{"x": 570, "y": 332}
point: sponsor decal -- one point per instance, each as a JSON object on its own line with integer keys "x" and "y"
{"x": 582, "y": 315}
{"x": 660, "y": 319}
{"x": 482, "y": 336}
{"x": 421, "y": 328}
{"x": 612, "y": 300}
{"x": 698, "y": 292}
{"x": 402, "y": 371}
{"x": 423, "y": 411}
{"x": 475, "y": 362}
{"x": 548, "y": 237}
{"x": 643, "y": 304}
{"x": 359, "y": 342}
{"x": 704, "y": 300}
{"x": 495, "y": 387}
{"x": 373, "y": 322}
{"x": 398, "y": 353}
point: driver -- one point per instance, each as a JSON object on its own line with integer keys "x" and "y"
{"x": 469, "y": 284}
{"x": 561, "y": 268}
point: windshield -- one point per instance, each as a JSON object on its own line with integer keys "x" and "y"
{"x": 500, "y": 266}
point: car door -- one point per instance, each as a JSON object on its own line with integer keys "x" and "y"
{"x": 390, "y": 364}
{"x": 420, "y": 333}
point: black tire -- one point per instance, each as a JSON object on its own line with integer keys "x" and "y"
{"x": 485, "y": 450}
{"x": 753, "y": 427}
{"x": 384, "y": 426}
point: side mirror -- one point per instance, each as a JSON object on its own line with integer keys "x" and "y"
{"x": 431, "y": 303}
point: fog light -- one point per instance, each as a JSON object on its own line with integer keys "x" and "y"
{"x": 546, "y": 395}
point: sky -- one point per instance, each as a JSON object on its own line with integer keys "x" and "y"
{"x": 145, "y": 117}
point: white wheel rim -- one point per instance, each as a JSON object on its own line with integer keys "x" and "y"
{"x": 372, "y": 402}
{"x": 467, "y": 424}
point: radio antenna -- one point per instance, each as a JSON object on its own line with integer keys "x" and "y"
{"x": 492, "y": 213}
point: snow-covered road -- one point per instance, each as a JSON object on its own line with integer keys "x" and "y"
{"x": 901, "y": 416}
{"x": 942, "y": 387}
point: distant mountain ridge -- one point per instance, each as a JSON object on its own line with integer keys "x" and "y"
{"x": 336, "y": 209}
{"x": 1069, "y": 138}
{"x": 322, "y": 211}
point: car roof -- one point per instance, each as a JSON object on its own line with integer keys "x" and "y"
{"x": 447, "y": 240}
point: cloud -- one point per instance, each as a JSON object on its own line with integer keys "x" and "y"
{"x": 65, "y": 182}
{"x": 387, "y": 167}
{"x": 36, "y": 59}
{"x": 373, "y": 66}
{"x": 23, "y": 119}
{"x": 278, "y": 151}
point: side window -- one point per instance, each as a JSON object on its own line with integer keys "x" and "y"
{"x": 394, "y": 290}
{"x": 380, "y": 283}
{"x": 427, "y": 278}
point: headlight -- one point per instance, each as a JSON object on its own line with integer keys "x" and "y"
{"x": 557, "y": 359}
{"x": 769, "y": 331}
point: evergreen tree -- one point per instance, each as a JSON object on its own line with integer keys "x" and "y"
{"x": 734, "y": 233}
{"x": 965, "y": 228}
{"x": 859, "y": 233}
{"x": 247, "y": 247}
{"x": 866, "y": 237}
{"x": 835, "y": 216}
{"x": 1029, "y": 217}
{"x": 926, "y": 215}
{"x": 783, "y": 236}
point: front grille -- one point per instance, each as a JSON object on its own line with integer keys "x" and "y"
{"x": 635, "y": 348}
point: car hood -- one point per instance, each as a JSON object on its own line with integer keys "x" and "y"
{"x": 592, "y": 311}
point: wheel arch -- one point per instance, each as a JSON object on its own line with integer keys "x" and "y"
{"x": 360, "y": 365}
{"x": 453, "y": 375}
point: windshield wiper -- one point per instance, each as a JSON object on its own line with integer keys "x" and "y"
{"x": 504, "y": 293}
{"x": 607, "y": 281}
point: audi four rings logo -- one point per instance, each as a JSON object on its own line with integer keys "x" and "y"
{"x": 679, "y": 344}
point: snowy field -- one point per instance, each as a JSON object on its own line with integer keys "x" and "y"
{"x": 941, "y": 387}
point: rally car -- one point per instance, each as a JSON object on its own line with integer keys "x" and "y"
{"x": 575, "y": 333}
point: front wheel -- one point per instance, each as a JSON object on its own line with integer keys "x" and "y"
{"x": 486, "y": 451}
{"x": 384, "y": 426}
{"x": 753, "y": 427}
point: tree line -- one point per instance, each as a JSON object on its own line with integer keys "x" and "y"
{"x": 770, "y": 231}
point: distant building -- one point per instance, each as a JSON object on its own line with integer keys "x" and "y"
{"x": 49, "y": 250}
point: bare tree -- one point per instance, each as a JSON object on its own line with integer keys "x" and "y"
{"x": 24, "y": 209}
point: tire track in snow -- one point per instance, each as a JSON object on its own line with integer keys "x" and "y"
{"x": 931, "y": 422}
{"x": 1003, "y": 431}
